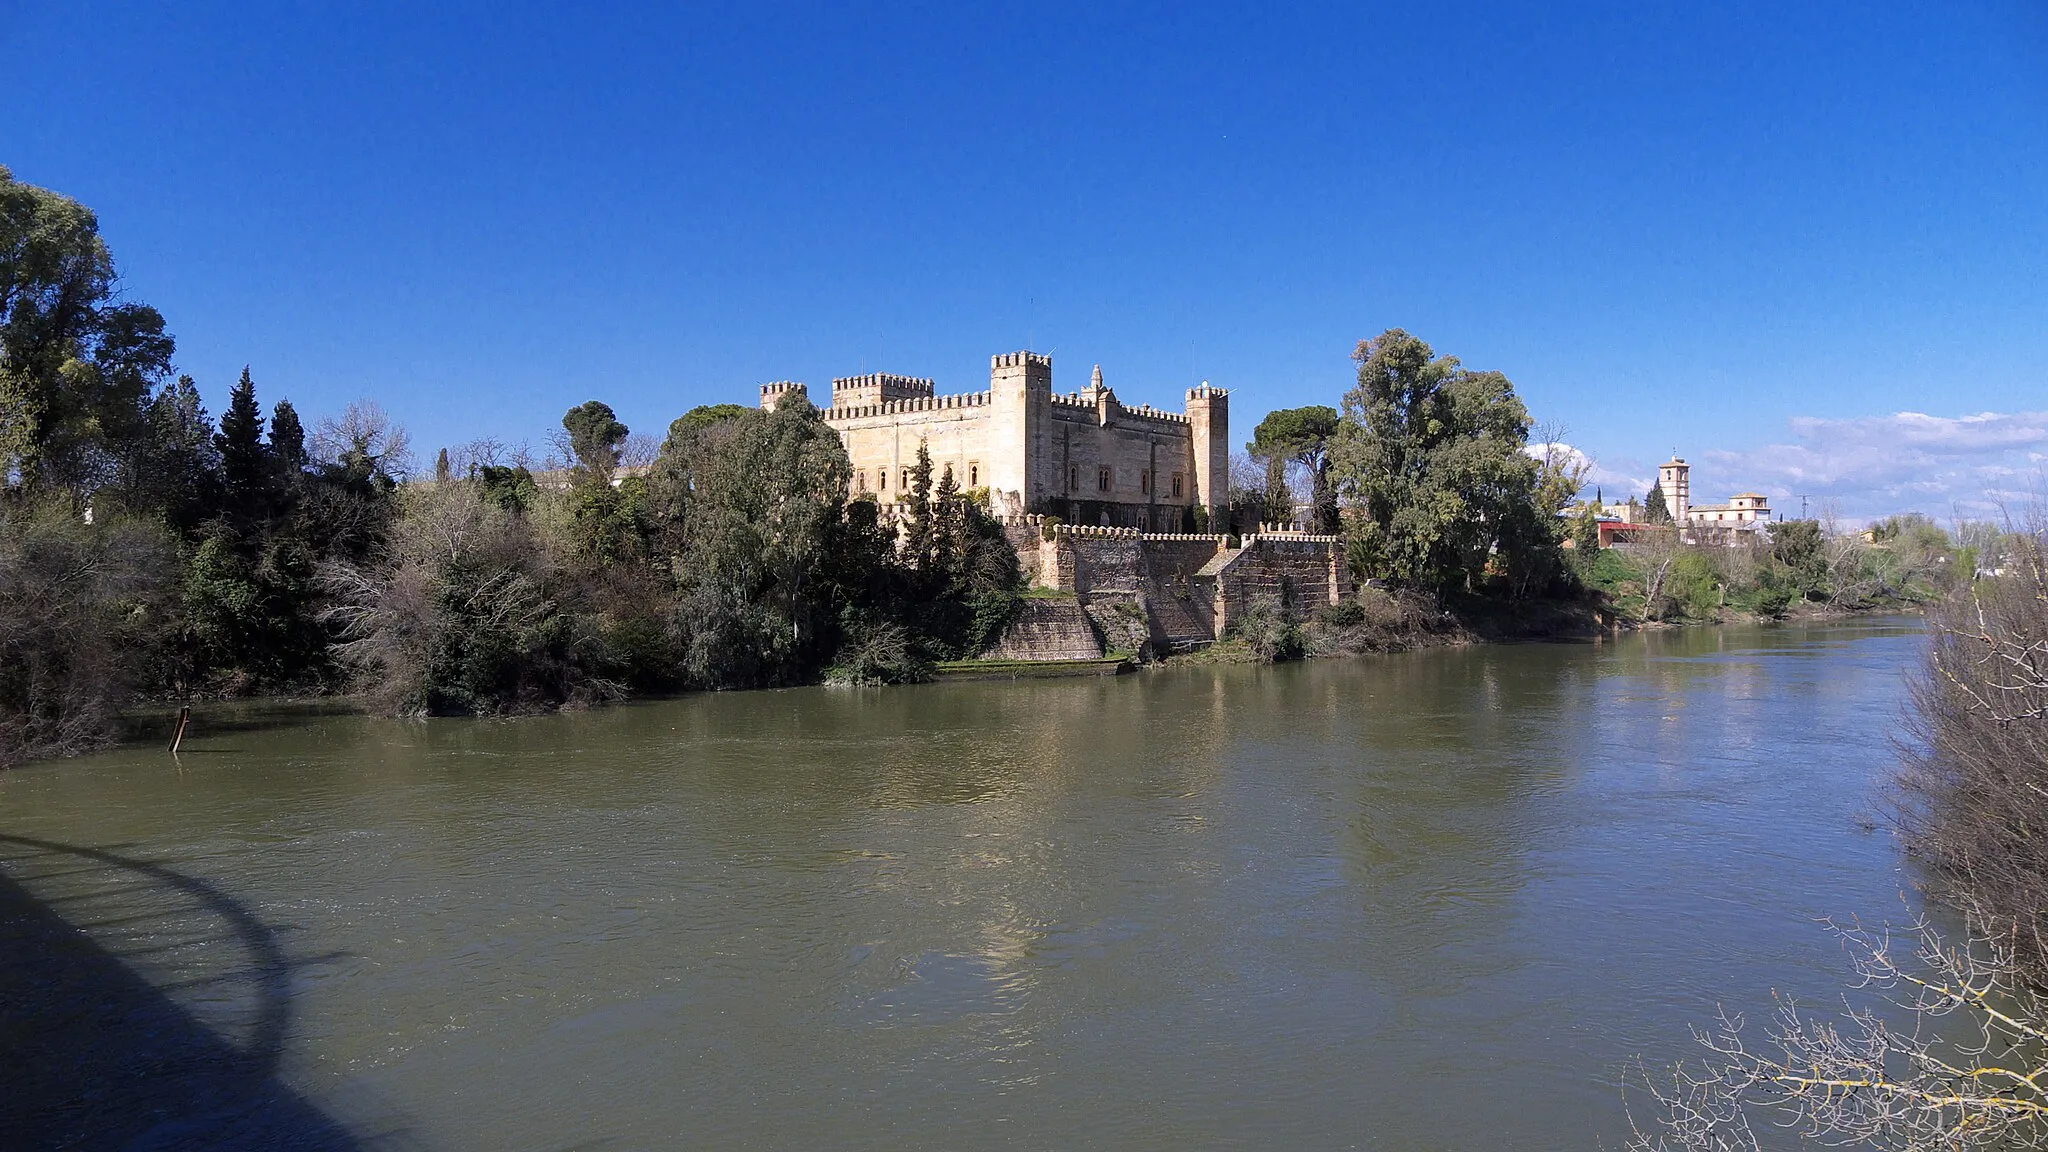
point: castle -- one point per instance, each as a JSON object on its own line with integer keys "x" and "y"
{"x": 1119, "y": 513}
{"x": 1082, "y": 456}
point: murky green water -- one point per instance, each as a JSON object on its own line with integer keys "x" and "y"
{"x": 1423, "y": 901}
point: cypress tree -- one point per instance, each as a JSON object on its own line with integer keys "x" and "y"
{"x": 1655, "y": 511}
{"x": 441, "y": 467}
{"x": 917, "y": 543}
{"x": 948, "y": 523}
{"x": 287, "y": 440}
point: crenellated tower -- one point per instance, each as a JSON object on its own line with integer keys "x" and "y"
{"x": 1020, "y": 387}
{"x": 1209, "y": 415}
{"x": 775, "y": 392}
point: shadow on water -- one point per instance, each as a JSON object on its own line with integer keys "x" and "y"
{"x": 99, "y": 1056}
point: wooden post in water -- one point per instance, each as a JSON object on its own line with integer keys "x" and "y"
{"x": 178, "y": 736}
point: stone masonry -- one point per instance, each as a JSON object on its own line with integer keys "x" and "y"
{"x": 1190, "y": 587}
{"x": 1083, "y": 456}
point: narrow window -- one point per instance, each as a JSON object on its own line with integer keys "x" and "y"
{"x": 1145, "y": 482}
{"x": 861, "y": 479}
{"x": 1074, "y": 478}
{"x": 973, "y": 475}
{"x": 1176, "y": 484}
{"x": 1102, "y": 476}
{"x": 882, "y": 479}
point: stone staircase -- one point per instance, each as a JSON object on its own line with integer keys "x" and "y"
{"x": 1048, "y": 629}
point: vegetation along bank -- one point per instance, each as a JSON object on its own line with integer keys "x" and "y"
{"x": 151, "y": 552}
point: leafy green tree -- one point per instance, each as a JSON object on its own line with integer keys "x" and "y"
{"x": 594, "y": 438}
{"x": 1586, "y": 535}
{"x": 1655, "y": 510}
{"x": 1797, "y": 544}
{"x": 765, "y": 517}
{"x": 77, "y": 366}
{"x": 1303, "y": 436}
{"x": 1430, "y": 455}
{"x": 706, "y": 415}
{"x": 172, "y": 472}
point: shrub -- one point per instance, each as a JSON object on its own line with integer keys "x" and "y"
{"x": 77, "y": 616}
{"x": 1266, "y": 627}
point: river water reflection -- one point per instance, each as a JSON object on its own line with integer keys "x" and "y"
{"x": 1423, "y": 901}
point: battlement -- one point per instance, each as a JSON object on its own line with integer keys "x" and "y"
{"x": 1078, "y": 402}
{"x": 775, "y": 392}
{"x": 1204, "y": 393}
{"x": 1020, "y": 360}
{"x": 857, "y": 411}
{"x": 1096, "y": 532}
{"x": 1289, "y": 537}
{"x": 877, "y": 388}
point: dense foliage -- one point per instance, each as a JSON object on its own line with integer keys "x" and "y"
{"x": 147, "y": 551}
{"x": 1428, "y": 458}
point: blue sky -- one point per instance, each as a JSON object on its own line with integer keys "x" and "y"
{"x": 1753, "y": 233}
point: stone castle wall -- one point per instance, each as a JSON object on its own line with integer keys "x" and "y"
{"x": 1189, "y": 588}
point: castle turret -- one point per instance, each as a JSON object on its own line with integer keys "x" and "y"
{"x": 775, "y": 392}
{"x": 1209, "y": 415}
{"x": 1020, "y": 386}
{"x": 879, "y": 388}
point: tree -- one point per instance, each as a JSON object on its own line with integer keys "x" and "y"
{"x": 77, "y": 609}
{"x": 441, "y": 470}
{"x": 287, "y": 441}
{"x": 364, "y": 446}
{"x": 1975, "y": 782}
{"x": 1950, "y": 1057}
{"x": 77, "y": 367}
{"x": 1302, "y": 436}
{"x": 594, "y": 438}
{"x": 1655, "y": 511}
{"x": 248, "y": 477}
{"x": 1430, "y": 456}
{"x": 919, "y": 527}
{"x": 1586, "y": 535}
{"x": 761, "y": 531}
{"x": 1797, "y": 544}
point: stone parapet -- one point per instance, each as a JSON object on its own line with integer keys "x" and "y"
{"x": 840, "y": 412}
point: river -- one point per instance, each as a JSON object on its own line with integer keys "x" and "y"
{"x": 1430, "y": 900}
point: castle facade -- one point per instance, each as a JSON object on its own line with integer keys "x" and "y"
{"x": 1082, "y": 456}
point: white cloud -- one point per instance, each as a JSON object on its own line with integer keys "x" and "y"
{"x": 1613, "y": 483}
{"x": 1873, "y": 466}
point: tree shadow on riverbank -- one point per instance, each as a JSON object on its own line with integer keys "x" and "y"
{"x": 97, "y": 1056}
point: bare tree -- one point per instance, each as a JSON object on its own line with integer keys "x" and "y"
{"x": 484, "y": 452}
{"x": 639, "y": 450}
{"x": 1949, "y": 1051}
{"x": 1974, "y": 786}
{"x": 365, "y": 431}
{"x": 1561, "y": 469}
